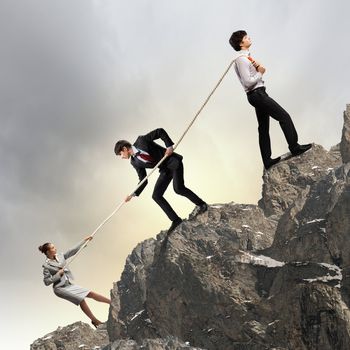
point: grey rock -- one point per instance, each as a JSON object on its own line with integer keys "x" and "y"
{"x": 129, "y": 294}
{"x": 285, "y": 182}
{"x": 309, "y": 315}
{"x": 272, "y": 276}
{"x": 310, "y": 230}
{"x": 345, "y": 140}
{"x": 169, "y": 343}
{"x": 217, "y": 233}
{"x": 78, "y": 335}
{"x": 205, "y": 288}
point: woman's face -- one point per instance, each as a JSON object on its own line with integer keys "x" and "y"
{"x": 51, "y": 252}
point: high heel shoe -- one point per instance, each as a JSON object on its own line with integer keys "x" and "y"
{"x": 96, "y": 323}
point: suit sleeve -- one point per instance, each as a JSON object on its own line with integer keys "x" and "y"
{"x": 141, "y": 173}
{"x": 48, "y": 278}
{"x": 242, "y": 64}
{"x": 73, "y": 251}
{"x": 159, "y": 134}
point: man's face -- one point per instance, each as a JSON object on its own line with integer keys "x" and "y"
{"x": 124, "y": 153}
{"x": 246, "y": 42}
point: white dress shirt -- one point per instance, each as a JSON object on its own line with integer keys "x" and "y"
{"x": 249, "y": 77}
{"x": 138, "y": 151}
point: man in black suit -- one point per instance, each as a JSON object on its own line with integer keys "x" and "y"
{"x": 145, "y": 153}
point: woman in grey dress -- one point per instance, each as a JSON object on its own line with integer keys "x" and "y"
{"x": 60, "y": 277}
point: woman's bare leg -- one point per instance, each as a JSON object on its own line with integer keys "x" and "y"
{"x": 84, "y": 306}
{"x": 98, "y": 297}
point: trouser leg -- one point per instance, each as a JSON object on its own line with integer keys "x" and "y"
{"x": 262, "y": 101}
{"x": 181, "y": 189}
{"x": 160, "y": 187}
{"x": 286, "y": 123}
{"x": 264, "y": 135}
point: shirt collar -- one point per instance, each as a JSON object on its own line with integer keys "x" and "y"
{"x": 135, "y": 150}
{"x": 244, "y": 52}
{"x": 55, "y": 259}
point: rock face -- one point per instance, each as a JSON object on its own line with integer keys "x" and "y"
{"x": 345, "y": 141}
{"x": 170, "y": 343}
{"x": 210, "y": 286}
{"x": 248, "y": 277}
{"x": 191, "y": 278}
{"x": 285, "y": 183}
{"x": 75, "y": 336}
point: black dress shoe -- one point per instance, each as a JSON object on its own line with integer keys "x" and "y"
{"x": 301, "y": 149}
{"x": 202, "y": 208}
{"x": 272, "y": 162}
{"x": 174, "y": 224}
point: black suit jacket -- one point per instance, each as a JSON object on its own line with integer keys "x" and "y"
{"x": 146, "y": 143}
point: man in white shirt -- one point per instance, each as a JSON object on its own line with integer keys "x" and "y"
{"x": 250, "y": 73}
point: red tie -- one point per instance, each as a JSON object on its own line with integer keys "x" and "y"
{"x": 146, "y": 157}
{"x": 251, "y": 59}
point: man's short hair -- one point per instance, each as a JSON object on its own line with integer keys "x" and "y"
{"x": 236, "y": 39}
{"x": 119, "y": 146}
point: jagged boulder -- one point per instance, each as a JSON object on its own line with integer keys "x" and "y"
{"x": 208, "y": 286}
{"x": 288, "y": 180}
{"x": 310, "y": 229}
{"x": 78, "y": 335}
{"x": 129, "y": 294}
{"x": 308, "y": 310}
{"x": 219, "y": 232}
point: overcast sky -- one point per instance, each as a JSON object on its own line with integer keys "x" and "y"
{"x": 76, "y": 76}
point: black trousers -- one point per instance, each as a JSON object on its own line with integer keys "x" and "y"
{"x": 174, "y": 170}
{"x": 266, "y": 107}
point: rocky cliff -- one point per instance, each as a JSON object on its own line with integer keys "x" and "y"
{"x": 249, "y": 277}
{"x": 78, "y": 335}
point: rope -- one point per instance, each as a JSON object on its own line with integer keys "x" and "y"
{"x": 159, "y": 163}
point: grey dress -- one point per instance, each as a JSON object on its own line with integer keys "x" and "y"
{"x": 62, "y": 285}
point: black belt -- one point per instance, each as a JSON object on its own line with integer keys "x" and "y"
{"x": 257, "y": 89}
